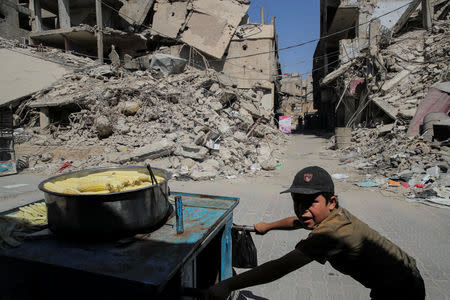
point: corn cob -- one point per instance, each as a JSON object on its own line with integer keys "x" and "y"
{"x": 93, "y": 186}
{"x": 60, "y": 189}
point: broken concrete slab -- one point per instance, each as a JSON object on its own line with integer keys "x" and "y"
{"x": 16, "y": 83}
{"x": 169, "y": 17}
{"x": 388, "y": 85}
{"x": 191, "y": 151}
{"x": 211, "y": 24}
{"x": 390, "y": 110}
{"x": 156, "y": 150}
{"x": 135, "y": 11}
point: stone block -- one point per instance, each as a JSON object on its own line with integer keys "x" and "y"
{"x": 191, "y": 151}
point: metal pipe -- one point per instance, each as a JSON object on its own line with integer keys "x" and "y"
{"x": 179, "y": 214}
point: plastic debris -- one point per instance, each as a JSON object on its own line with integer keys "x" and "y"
{"x": 394, "y": 183}
{"x": 65, "y": 165}
{"x": 339, "y": 176}
{"x": 367, "y": 183}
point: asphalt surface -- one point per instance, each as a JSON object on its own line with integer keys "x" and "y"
{"x": 421, "y": 230}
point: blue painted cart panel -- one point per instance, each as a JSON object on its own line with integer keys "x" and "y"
{"x": 153, "y": 258}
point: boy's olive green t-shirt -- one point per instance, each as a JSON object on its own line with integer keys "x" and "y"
{"x": 355, "y": 249}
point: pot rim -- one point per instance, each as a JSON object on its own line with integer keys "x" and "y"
{"x": 41, "y": 185}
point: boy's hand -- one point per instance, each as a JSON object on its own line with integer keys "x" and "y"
{"x": 262, "y": 227}
{"x": 220, "y": 291}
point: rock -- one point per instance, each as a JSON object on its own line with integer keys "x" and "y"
{"x": 240, "y": 136}
{"x": 45, "y": 157}
{"x": 188, "y": 162}
{"x": 216, "y": 105}
{"x": 162, "y": 163}
{"x": 246, "y": 118}
{"x": 191, "y": 151}
{"x": 210, "y": 164}
{"x": 268, "y": 164}
{"x": 175, "y": 162}
{"x": 103, "y": 127}
{"x": 129, "y": 107}
{"x": 198, "y": 175}
{"x": 122, "y": 127}
{"x": 214, "y": 87}
{"x": 129, "y": 63}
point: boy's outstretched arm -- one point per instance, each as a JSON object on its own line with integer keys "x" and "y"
{"x": 264, "y": 273}
{"x": 286, "y": 223}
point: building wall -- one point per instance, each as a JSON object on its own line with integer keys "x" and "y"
{"x": 340, "y": 48}
{"x": 9, "y": 21}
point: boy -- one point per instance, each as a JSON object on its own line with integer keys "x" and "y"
{"x": 338, "y": 237}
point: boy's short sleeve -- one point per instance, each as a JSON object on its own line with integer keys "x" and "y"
{"x": 321, "y": 244}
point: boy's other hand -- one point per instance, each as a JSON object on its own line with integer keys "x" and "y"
{"x": 220, "y": 291}
{"x": 262, "y": 227}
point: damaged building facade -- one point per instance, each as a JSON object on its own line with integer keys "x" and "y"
{"x": 208, "y": 34}
{"x": 354, "y": 62}
{"x": 198, "y": 100}
{"x": 297, "y": 100}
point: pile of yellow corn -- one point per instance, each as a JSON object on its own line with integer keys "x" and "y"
{"x": 15, "y": 226}
{"x": 102, "y": 183}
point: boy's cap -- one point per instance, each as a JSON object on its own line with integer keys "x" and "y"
{"x": 311, "y": 180}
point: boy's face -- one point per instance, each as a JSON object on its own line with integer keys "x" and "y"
{"x": 312, "y": 209}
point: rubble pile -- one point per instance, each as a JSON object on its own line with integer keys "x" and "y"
{"x": 407, "y": 69}
{"x": 187, "y": 123}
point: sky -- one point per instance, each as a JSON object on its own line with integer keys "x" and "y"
{"x": 296, "y": 21}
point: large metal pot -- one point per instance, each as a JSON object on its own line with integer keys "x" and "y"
{"x": 106, "y": 215}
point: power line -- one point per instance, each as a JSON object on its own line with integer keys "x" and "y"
{"x": 326, "y": 36}
{"x": 280, "y": 49}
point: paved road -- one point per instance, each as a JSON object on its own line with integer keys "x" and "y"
{"x": 422, "y": 231}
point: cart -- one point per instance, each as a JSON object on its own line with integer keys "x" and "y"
{"x": 160, "y": 264}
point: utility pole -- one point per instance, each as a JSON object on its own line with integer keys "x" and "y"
{"x": 98, "y": 10}
{"x": 262, "y": 15}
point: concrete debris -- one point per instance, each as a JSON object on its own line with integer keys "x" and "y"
{"x": 187, "y": 123}
{"x": 167, "y": 64}
{"x": 394, "y": 110}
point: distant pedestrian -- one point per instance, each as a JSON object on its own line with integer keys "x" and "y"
{"x": 347, "y": 243}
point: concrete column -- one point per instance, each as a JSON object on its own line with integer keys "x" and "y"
{"x": 64, "y": 13}
{"x": 35, "y": 6}
{"x": 98, "y": 10}
{"x": 374, "y": 32}
{"x": 44, "y": 117}
{"x": 427, "y": 14}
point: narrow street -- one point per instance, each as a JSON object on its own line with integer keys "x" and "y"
{"x": 422, "y": 231}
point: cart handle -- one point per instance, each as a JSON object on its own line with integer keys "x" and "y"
{"x": 249, "y": 228}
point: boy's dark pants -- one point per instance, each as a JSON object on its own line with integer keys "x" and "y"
{"x": 412, "y": 288}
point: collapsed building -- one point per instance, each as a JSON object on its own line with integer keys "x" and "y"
{"x": 382, "y": 69}
{"x": 297, "y": 100}
{"x": 197, "y": 99}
